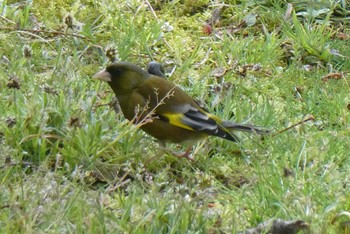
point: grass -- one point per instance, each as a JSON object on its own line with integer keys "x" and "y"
{"x": 70, "y": 162}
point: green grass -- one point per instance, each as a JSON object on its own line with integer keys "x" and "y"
{"x": 70, "y": 162}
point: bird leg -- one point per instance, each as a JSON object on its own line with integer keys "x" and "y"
{"x": 186, "y": 154}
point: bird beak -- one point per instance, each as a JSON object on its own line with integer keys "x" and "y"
{"x": 103, "y": 75}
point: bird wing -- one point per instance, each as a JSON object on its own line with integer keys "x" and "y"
{"x": 189, "y": 117}
{"x": 195, "y": 119}
{"x": 173, "y": 105}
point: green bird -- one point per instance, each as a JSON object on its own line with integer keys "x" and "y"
{"x": 164, "y": 110}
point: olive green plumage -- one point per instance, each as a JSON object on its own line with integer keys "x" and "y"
{"x": 169, "y": 114}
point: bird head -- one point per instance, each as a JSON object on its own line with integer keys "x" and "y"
{"x": 123, "y": 77}
{"x": 156, "y": 69}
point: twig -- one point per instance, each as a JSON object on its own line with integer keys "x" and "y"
{"x": 36, "y": 31}
{"x": 151, "y": 8}
{"x": 27, "y": 164}
{"x": 296, "y": 124}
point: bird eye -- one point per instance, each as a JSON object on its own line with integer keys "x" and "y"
{"x": 115, "y": 71}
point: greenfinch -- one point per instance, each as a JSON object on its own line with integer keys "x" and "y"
{"x": 156, "y": 69}
{"x": 164, "y": 110}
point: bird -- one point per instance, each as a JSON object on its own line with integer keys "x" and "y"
{"x": 163, "y": 110}
{"x": 156, "y": 69}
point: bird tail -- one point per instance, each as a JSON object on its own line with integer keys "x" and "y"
{"x": 231, "y": 126}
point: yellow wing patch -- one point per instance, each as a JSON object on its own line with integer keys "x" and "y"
{"x": 175, "y": 119}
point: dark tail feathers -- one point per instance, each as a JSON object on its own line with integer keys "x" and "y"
{"x": 244, "y": 127}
